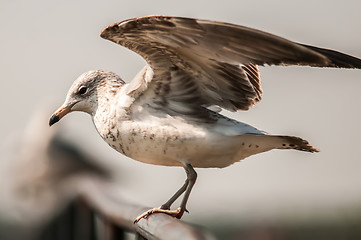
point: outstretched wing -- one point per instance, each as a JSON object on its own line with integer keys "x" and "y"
{"x": 198, "y": 63}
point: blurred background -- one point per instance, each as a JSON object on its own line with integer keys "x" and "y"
{"x": 45, "y": 46}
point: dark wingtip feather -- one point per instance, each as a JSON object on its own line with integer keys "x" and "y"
{"x": 105, "y": 33}
{"x": 337, "y": 59}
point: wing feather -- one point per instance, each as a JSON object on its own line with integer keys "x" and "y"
{"x": 200, "y": 63}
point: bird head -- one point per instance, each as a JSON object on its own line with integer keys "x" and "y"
{"x": 83, "y": 95}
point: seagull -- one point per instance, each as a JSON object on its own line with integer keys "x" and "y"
{"x": 169, "y": 114}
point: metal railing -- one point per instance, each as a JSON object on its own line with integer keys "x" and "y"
{"x": 101, "y": 214}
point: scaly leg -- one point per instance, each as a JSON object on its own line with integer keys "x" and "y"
{"x": 168, "y": 204}
{"x": 187, "y": 188}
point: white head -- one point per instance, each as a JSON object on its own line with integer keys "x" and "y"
{"x": 84, "y": 95}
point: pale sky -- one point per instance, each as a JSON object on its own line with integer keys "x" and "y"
{"x": 45, "y": 46}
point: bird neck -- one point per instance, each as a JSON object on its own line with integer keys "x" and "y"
{"x": 110, "y": 108}
{"x": 106, "y": 93}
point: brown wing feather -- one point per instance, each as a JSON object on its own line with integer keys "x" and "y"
{"x": 254, "y": 78}
{"x": 218, "y": 59}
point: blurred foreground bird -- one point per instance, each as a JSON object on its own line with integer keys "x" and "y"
{"x": 166, "y": 115}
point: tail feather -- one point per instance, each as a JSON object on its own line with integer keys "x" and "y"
{"x": 256, "y": 143}
{"x": 290, "y": 142}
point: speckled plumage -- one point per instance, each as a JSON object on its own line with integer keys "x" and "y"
{"x": 164, "y": 115}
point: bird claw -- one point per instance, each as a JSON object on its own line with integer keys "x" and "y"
{"x": 174, "y": 213}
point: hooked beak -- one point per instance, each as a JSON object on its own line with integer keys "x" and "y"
{"x": 61, "y": 112}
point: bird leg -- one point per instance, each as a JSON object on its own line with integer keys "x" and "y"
{"x": 168, "y": 204}
{"x": 191, "y": 177}
{"x": 187, "y": 188}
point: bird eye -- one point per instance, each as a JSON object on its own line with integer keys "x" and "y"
{"x": 82, "y": 90}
